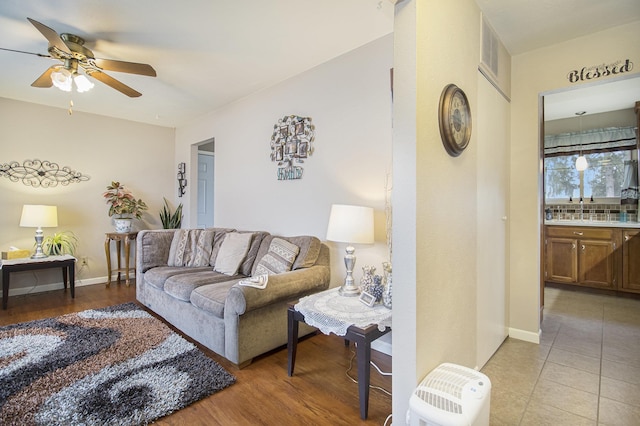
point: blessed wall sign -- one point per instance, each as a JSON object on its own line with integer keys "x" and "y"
{"x": 598, "y": 71}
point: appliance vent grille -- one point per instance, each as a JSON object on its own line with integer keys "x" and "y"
{"x": 451, "y": 394}
{"x": 440, "y": 402}
{"x": 443, "y": 387}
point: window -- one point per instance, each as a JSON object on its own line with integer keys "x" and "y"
{"x": 602, "y": 179}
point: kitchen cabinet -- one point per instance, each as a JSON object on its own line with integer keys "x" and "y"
{"x": 631, "y": 260}
{"x": 583, "y": 256}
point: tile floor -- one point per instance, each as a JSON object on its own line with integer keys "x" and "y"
{"x": 586, "y": 370}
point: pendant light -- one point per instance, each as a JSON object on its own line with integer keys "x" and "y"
{"x": 581, "y": 161}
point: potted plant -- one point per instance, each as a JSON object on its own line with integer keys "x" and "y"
{"x": 171, "y": 220}
{"x": 60, "y": 243}
{"x": 123, "y": 205}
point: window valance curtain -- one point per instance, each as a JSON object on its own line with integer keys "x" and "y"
{"x": 590, "y": 141}
{"x": 629, "y": 191}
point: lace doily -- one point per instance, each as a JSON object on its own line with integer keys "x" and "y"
{"x": 332, "y": 313}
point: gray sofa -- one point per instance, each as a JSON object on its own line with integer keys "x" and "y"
{"x": 176, "y": 278}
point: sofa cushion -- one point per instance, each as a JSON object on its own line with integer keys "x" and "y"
{"x": 309, "y": 251}
{"x": 232, "y": 252}
{"x": 157, "y": 277}
{"x": 307, "y": 257}
{"x": 279, "y": 258}
{"x": 256, "y": 242}
{"x": 211, "y": 297}
{"x": 181, "y": 286}
{"x": 191, "y": 247}
{"x": 218, "y": 238}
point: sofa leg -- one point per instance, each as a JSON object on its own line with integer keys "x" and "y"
{"x": 244, "y": 364}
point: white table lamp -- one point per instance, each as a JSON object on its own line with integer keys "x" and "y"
{"x": 351, "y": 225}
{"x": 39, "y": 216}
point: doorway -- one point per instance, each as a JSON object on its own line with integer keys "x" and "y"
{"x": 206, "y": 179}
{"x": 577, "y": 117}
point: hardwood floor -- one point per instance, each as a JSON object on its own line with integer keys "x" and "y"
{"x": 319, "y": 393}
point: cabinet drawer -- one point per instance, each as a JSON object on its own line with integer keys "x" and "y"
{"x": 584, "y": 232}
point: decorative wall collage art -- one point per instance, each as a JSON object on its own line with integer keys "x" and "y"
{"x": 291, "y": 143}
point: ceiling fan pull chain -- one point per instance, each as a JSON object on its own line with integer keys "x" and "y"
{"x": 71, "y": 107}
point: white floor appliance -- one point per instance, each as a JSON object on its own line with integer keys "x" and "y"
{"x": 451, "y": 395}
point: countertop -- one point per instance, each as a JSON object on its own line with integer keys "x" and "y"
{"x": 594, "y": 223}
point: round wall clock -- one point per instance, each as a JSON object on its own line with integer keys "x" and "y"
{"x": 454, "y": 117}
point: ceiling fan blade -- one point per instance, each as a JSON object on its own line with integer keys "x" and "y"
{"x": 128, "y": 67}
{"x": 51, "y": 35}
{"x": 45, "y": 79}
{"x": 28, "y": 53}
{"x": 110, "y": 81}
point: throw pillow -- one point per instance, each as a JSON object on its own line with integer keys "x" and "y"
{"x": 232, "y": 251}
{"x": 178, "y": 247}
{"x": 278, "y": 259}
{"x": 190, "y": 247}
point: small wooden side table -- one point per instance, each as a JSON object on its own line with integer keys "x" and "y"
{"x": 119, "y": 237}
{"x": 66, "y": 262}
{"x": 345, "y": 317}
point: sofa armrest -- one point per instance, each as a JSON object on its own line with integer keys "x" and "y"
{"x": 285, "y": 287}
{"x": 152, "y": 248}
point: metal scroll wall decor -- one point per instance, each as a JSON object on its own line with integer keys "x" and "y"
{"x": 291, "y": 144}
{"x": 182, "y": 181}
{"x": 40, "y": 173}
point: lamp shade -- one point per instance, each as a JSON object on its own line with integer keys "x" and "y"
{"x": 350, "y": 224}
{"x": 82, "y": 83}
{"x": 39, "y": 216}
{"x": 61, "y": 78}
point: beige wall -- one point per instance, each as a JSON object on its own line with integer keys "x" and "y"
{"x": 105, "y": 149}
{"x": 446, "y": 236}
{"x": 534, "y": 73}
{"x": 349, "y": 102}
{"x": 436, "y": 209}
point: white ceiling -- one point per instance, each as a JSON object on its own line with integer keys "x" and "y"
{"x": 593, "y": 99}
{"x": 209, "y": 53}
{"x": 524, "y": 25}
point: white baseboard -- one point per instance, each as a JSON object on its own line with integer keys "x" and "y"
{"x": 41, "y": 288}
{"x": 527, "y": 336}
{"x": 383, "y": 344}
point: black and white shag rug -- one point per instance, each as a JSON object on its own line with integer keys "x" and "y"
{"x": 113, "y": 366}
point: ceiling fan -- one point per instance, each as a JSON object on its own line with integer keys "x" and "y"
{"x": 70, "y": 50}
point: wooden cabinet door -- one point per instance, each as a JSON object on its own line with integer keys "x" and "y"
{"x": 562, "y": 260}
{"x": 631, "y": 260}
{"x": 596, "y": 263}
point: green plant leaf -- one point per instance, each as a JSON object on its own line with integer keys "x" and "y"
{"x": 171, "y": 220}
{"x": 60, "y": 243}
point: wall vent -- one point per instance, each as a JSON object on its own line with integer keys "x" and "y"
{"x": 495, "y": 61}
{"x": 490, "y": 45}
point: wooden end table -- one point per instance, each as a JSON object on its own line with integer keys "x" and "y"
{"x": 361, "y": 335}
{"x": 119, "y": 237}
{"x": 66, "y": 262}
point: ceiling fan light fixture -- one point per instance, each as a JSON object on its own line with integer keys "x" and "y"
{"x": 82, "y": 83}
{"x": 61, "y": 78}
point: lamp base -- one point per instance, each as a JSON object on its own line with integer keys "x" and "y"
{"x": 349, "y": 288}
{"x": 349, "y": 291}
{"x": 39, "y": 254}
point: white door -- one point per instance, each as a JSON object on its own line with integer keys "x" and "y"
{"x": 205, "y": 190}
{"x": 492, "y": 127}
